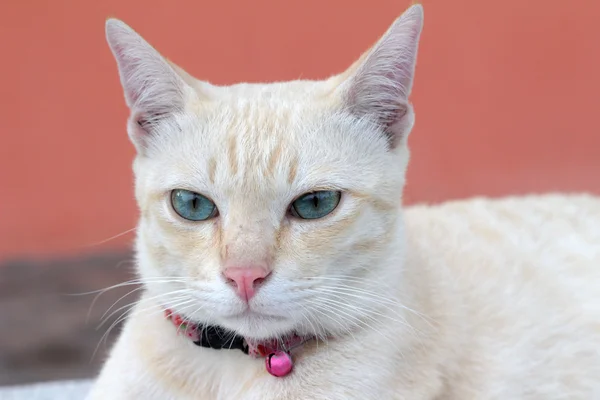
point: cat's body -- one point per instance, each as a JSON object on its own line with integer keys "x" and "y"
{"x": 510, "y": 288}
{"x": 481, "y": 299}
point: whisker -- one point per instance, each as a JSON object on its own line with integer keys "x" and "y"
{"x": 334, "y": 316}
{"x": 129, "y": 283}
{"x": 336, "y": 294}
{"x": 115, "y": 303}
{"x": 110, "y": 238}
{"x": 315, "y": 331}
{"x": 127, "y": 313}
{"x": 100, "y": 292}
{"x": 360, "y": 323}
{"x": 175, "y": 292}
{"x": 383, "y": 299}
{"x": 369, "y": 312}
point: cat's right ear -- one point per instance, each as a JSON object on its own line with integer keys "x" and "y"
{"x": 154, "y": 90}
{"x": 377, "y": 86}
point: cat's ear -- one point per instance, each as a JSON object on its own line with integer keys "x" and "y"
{"x": 378, "y": 85}
{"x": 154, "y": 89}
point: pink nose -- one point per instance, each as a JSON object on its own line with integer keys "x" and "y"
{"x": 246, "y": 279}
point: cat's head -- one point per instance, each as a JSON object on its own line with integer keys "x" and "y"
{"x": 268, "y": 208}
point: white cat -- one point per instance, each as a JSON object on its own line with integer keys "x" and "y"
{"x": 272, "y": 211}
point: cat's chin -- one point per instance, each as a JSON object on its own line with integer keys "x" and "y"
{"x": 254, "y": 325}
{"x": 258, "y": 326}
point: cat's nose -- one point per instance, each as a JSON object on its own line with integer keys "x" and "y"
{"x": 246, "y": 280}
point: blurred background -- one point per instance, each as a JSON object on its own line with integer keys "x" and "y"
{"x": 507, "y": 98}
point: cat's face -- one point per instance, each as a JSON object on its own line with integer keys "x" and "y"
{"x": 270, "y": 208}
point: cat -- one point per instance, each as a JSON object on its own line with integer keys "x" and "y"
{"x": 271, "y": 222}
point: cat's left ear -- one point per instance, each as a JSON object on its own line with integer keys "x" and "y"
{"x": 155, "y": 90}
{"x": 378, "y": 85}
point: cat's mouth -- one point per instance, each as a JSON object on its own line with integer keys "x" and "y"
{"x": 255, "y": 315}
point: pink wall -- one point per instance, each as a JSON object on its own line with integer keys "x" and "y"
{"x": 507, "y": 97}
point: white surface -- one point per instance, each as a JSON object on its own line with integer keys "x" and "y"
{"x": 62, "y": 390}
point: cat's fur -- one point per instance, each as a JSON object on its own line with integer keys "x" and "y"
{"x": 479, "y": 299}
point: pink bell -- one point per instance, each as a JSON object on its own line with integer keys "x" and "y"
{"x": 279, "y": 363}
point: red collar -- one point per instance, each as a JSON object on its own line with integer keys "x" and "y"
{"x": 278, "y": 360}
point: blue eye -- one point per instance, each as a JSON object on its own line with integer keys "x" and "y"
{"x": 192, "y": 206}
{"x": 316, "y": 204}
